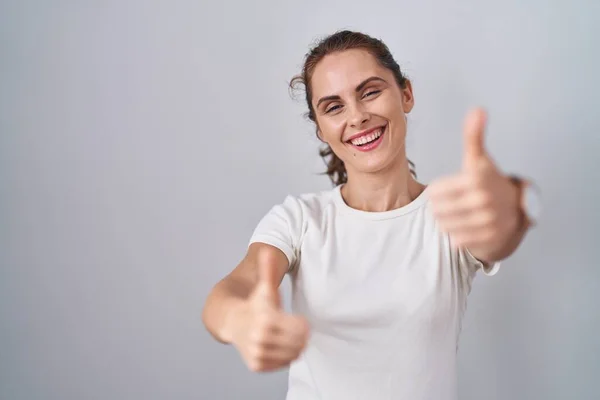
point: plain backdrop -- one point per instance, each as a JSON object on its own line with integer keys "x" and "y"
{"x": 141, "y": 142}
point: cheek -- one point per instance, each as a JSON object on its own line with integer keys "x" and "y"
{"x": 391, "y": 109}
{"x": 389, "y": 106}
{"x": 332, "y": 130}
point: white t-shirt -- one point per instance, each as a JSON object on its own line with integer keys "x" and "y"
{"x": 383, "y": 292}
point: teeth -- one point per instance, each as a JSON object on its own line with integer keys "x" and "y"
{"x": 367, "y": 138}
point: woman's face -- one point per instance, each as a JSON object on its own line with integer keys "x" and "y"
{"x": 360, "y": 110}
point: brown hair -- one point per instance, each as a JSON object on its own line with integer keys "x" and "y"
{"x": 340, "y": 41}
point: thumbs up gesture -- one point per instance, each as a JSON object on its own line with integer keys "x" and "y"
{"x": 266, "y": 336}
{"x": 478, "y": 207}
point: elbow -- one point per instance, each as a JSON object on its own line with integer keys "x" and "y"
{"x": 206, "y": 312}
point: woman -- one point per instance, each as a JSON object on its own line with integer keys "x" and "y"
{"x": 381, "y": 265}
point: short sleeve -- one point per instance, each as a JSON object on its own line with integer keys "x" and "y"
{"x": 282, "y": 228}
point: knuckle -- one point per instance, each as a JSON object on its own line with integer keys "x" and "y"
{"x": 263, "y": 328}
{"x": 260, "y": 337}
{"x": 255, "y": 365}
{"x": 256, "y": 336}
{"x": 269, "y": 320}
{"x": 257, "y": 353}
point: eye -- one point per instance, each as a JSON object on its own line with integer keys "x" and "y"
{"x": 333, "y": 108}
{"x": 371, "y": 93}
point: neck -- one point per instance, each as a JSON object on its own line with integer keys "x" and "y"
{"x": 383, "y": 190}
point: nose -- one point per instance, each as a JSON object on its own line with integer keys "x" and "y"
{"x": 358, "y": 116}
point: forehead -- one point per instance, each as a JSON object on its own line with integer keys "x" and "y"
{"x": 341, "y": 72}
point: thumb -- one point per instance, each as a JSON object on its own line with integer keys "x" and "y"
{"x": 268, "y": 277}
{"x": 474, "y": 128}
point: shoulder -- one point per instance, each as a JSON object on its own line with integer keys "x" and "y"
{"x": 308, "y": 204}
{"x": 285, "y": 224}
{"x": 294, "y": 211}
{"x": 292, "y": 215}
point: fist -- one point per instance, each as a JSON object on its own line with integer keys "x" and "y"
{"x": 479, "y": 206}
{"x": 267, "y": 337}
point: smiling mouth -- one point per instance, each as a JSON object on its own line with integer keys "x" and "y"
{"x": 368, "y": 141}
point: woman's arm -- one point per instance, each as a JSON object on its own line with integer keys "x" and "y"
{"x": 480, "y": 207}
{"x": 244, "y": 309}
{"x": 227, "y": 298}
{"x": 503, "y": 246}
{"x": 481, "y": 213}
{"x": 500, "y": 246}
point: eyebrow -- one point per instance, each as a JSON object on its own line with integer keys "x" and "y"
{"x": 358, "y": 89}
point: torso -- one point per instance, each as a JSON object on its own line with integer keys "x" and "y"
{"x": 384, "y": 294}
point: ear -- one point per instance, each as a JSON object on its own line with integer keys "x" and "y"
{"x": 408, "y": 100}
{"x": 319, "y": 135}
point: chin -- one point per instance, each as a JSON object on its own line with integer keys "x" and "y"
{"x": 373, "y": 166}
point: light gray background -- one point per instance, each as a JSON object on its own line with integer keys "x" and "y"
{"x": 140, "y": 142}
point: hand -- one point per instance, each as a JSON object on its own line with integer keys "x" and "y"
{"x": 478, "y": 207}
{"x": 266, "y": 336}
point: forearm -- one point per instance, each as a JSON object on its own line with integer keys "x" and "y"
{"x": 222, "y": 304}
{"x": 496, "y": 251}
